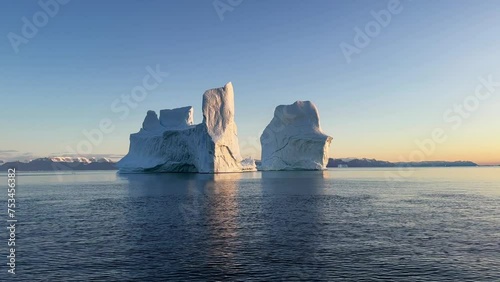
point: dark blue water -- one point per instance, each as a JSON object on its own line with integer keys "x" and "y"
{"x": 344, "y": 224}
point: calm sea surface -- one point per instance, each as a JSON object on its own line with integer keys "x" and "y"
{"x": 438, "y": 224}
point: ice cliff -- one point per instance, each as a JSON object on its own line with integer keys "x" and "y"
{"x": 294, "y": 139}
{"x": 171, "y": 143}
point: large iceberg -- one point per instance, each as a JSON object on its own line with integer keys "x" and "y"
{"x": 171, "y": 143}
{"x": 294, "y": 139}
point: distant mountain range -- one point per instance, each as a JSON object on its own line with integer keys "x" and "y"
{"x": 378, "y": 163}
{"x": 68, "y": 164}
{"x": 60, "y": 164}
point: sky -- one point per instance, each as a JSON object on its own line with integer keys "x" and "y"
{"x": 424, "y": 84}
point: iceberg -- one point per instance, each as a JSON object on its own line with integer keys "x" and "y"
{"x": 248, "y": 164}
{"x": 293, "y": 140}
{"x": 172, "y": 143}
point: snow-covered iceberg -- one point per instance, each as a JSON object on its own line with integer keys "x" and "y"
{"x": 171, "y": 143}
{"x": 294, "y": 139}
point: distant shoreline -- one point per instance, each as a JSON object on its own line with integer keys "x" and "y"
{"x": 379, "y": 163}
{"x": 49, "y": 165}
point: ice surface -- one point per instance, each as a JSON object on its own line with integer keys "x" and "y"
{"x": 177, "y": 118}
{"x": 173, "y": 144}
{"x": 151, "y": 123}
{"x": 248, "y": 164}
{"x": 294, "y": 139}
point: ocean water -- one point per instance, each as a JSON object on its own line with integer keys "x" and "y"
{"x": 437, "y": 224}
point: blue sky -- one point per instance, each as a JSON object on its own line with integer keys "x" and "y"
{"x": 394, "y": 92}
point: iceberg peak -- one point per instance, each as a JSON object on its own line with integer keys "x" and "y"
{"x": 151, "y": 122}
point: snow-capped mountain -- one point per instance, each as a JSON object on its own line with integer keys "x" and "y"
{"x": 80, "y": 160}
{"x": 61, "y": 164}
